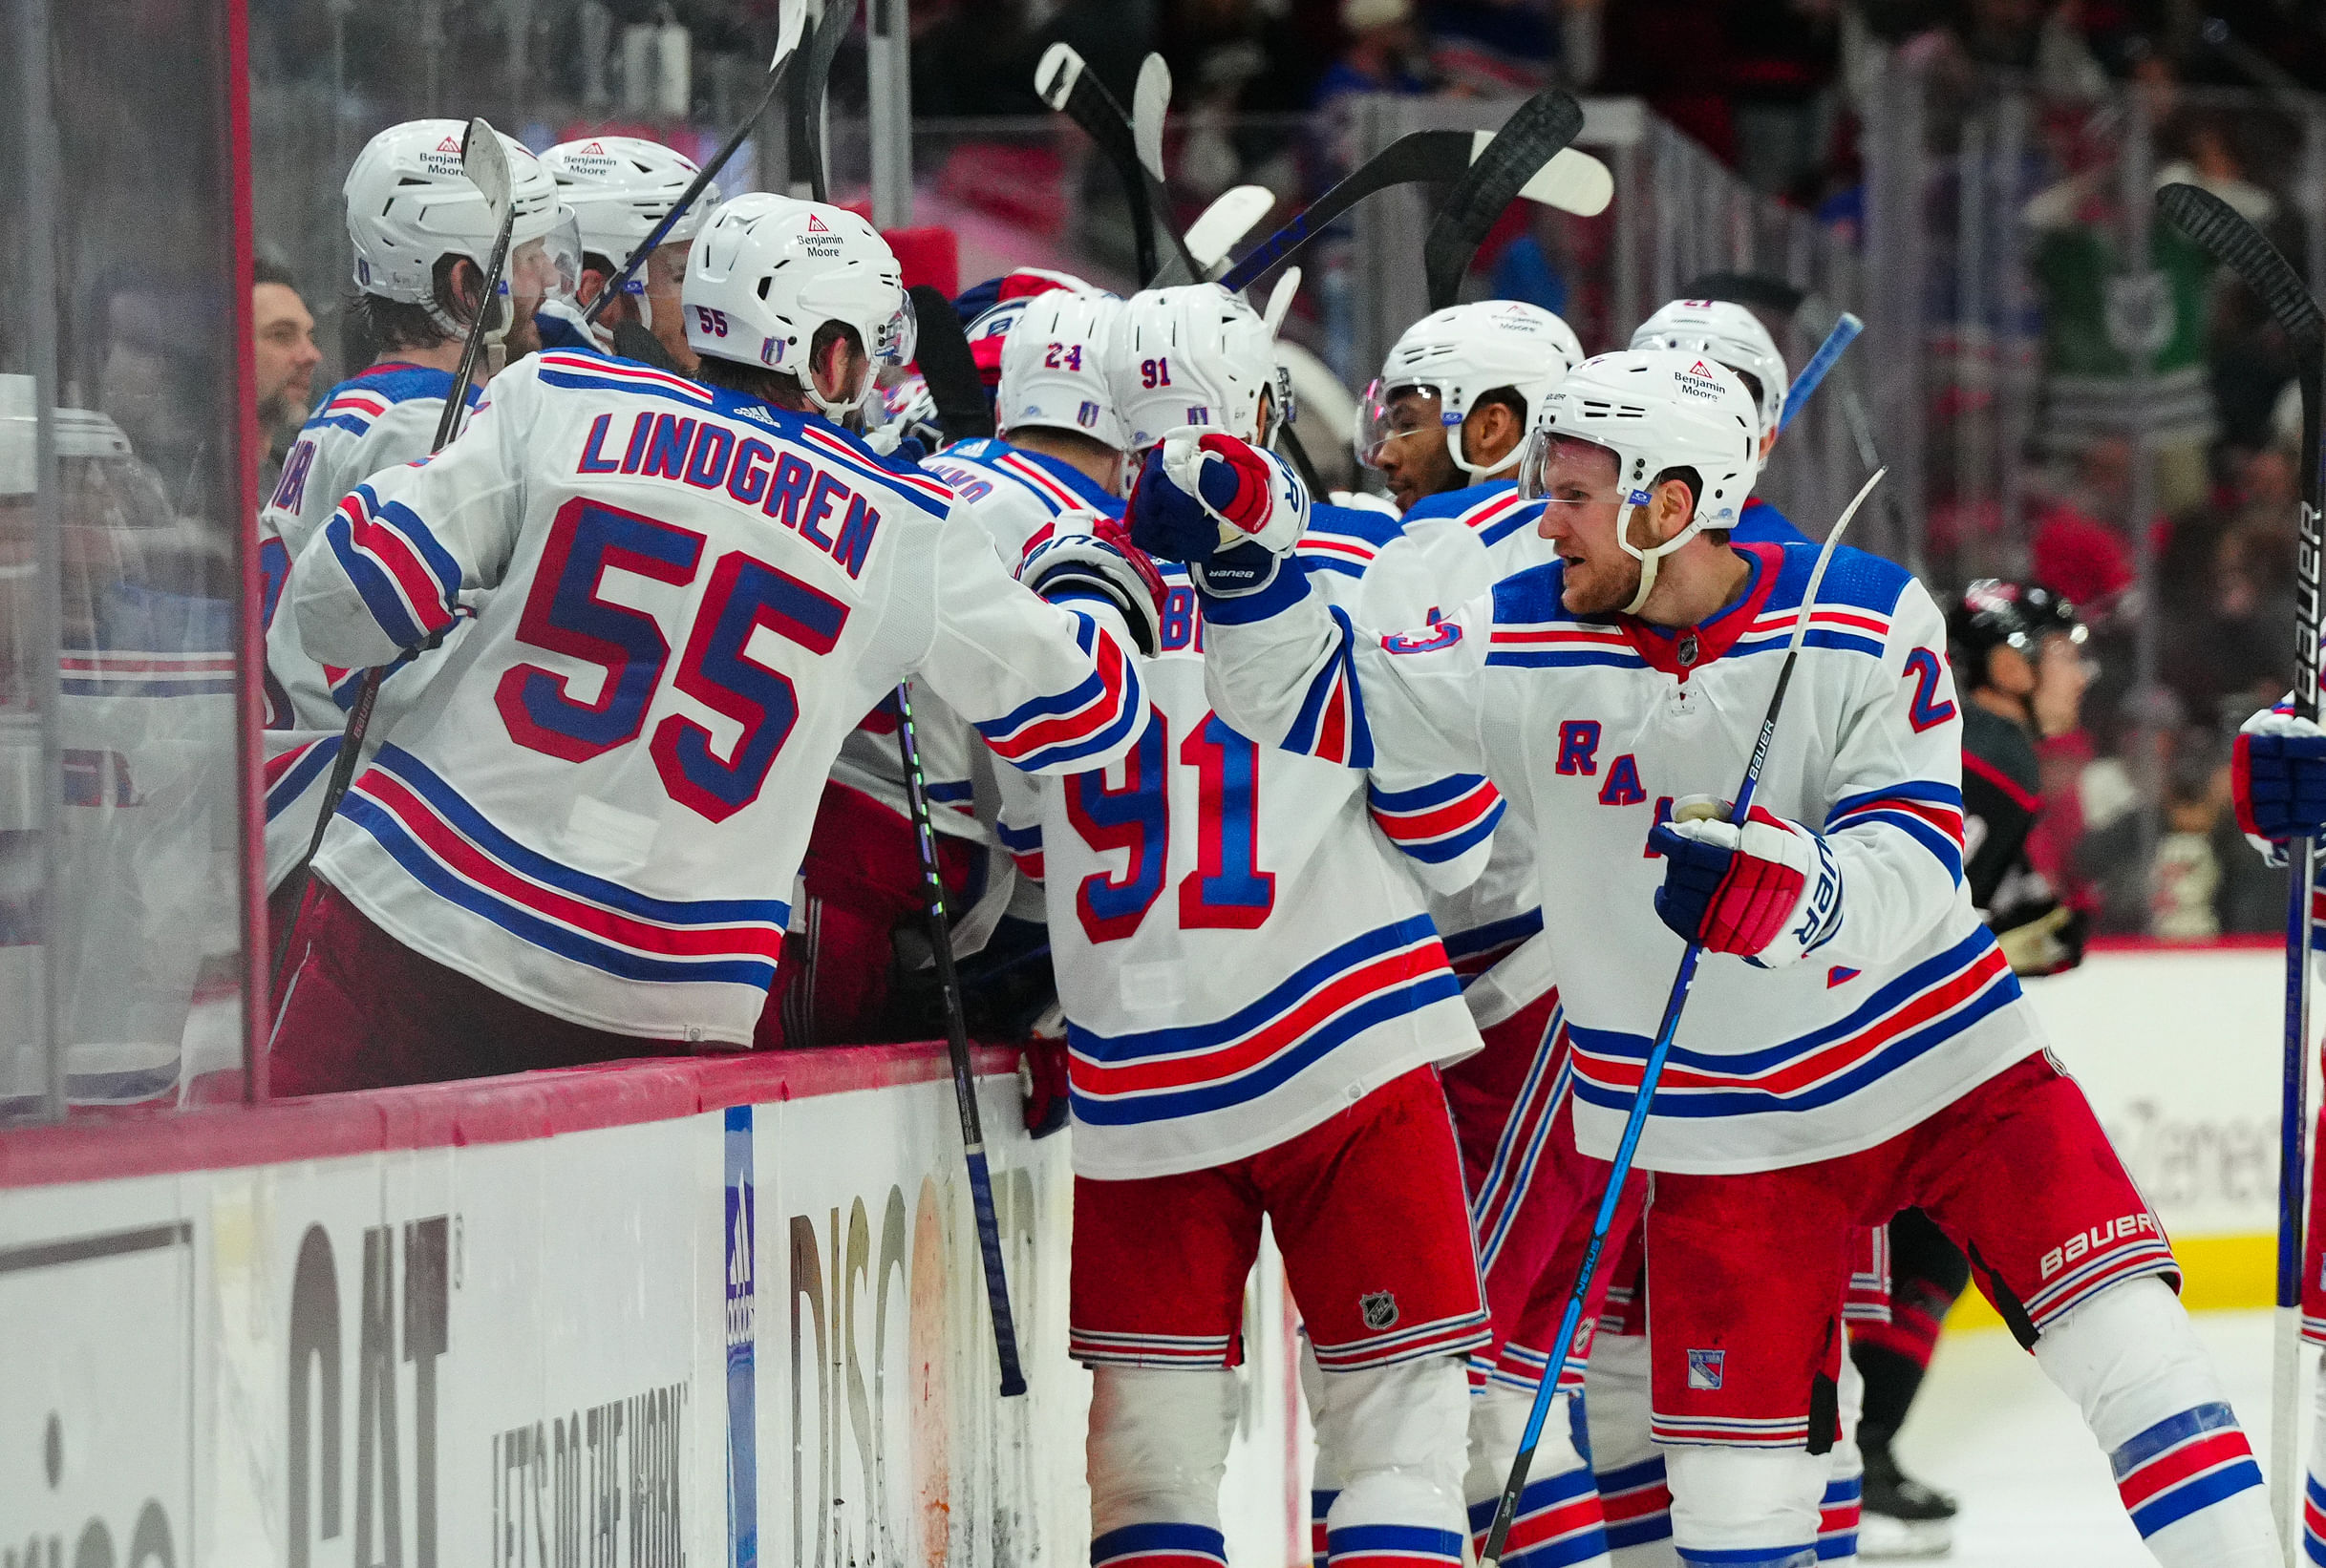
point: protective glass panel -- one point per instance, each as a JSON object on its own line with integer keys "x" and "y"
{"x": 124, "y": 508}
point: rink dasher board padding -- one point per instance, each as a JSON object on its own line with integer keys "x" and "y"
{"x": 718, "y": 1312}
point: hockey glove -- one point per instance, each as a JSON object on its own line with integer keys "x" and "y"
{"x": 1227, "y": 508}
{"x": 1085, "y": 553}
{"x": 2050, "y": 943}
{"x": 2278, "y": 777}
{"x": 1767, "y": 891}
{"x": 1042, "y": 1082}
{"x": 562, "y": 328}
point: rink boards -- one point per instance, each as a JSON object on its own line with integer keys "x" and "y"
{"x": 721, "y": 1313}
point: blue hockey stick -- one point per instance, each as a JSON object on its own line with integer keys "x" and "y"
{"x": 1797, "y": 397}
{"x": 1507, "y": 1510}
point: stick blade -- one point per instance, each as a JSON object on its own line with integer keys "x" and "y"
{"x": 791, "y": 24}
{"x": 949, "y": 368}
{"x": 2217, "y": 227}
{"x": 1227, "y": 220}
{"x": 1572, "y": 182}
{"x": 487, "y": 164}
{"x": 1054, "y": 78}
{"x": 1530, "y": 140}
{"x": 1150, "y": 102}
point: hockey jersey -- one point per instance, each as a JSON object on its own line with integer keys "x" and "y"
{"x": 1015, "y": 493}
{"x": 375, "y": 419}
{"x": 1453, "y": 547}
{"x": 1241, "y": 946}
{"x": 600, "y": 807}
{"x": 1596, "y": 725}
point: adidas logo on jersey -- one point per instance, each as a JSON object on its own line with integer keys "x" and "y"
{"x": 753, "y": 411}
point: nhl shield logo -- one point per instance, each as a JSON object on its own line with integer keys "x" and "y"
{"x": 1379, "y": 1309}
{"x": 1706, "y": 1368}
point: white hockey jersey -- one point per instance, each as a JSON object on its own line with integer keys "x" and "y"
{"x": 599, "y": 808}
{"x": 1016, "y": 493}
{"x": 1597, "y": 725}
{"x": 375, "y": 419}
{"x": 1451, "y": 548}
{"x": 1241, "y": 948}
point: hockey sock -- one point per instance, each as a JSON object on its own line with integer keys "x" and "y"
{"x": 1837, "y": 1524}
{"x": 1324, "y": 1483}
{"x": 1158, "y": 1450}
{"x": 2130, "y": 1361}
{"x": 1397, "y": 1437}
{"x": 1635, "y": 1497}
{"x": 1747, "y": 1507}
{"x": 1558, "y": 1522}
{"x": 2314, "y": 1494}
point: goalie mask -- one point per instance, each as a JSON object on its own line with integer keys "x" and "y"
{"x": 1197, "y": 355}
{"x": 767, "y": 274}
{"x": 619, "y": 189}
{"x": 1654, "y": 412}
{"x": 410, "y": 204}
{"x": 1731, "y": 334}
{"x": 1456, "y": 355}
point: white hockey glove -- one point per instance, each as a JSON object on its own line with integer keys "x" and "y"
{"x": 1082, "y": 552}
{"x": 562, "y": 327}
{"x": 1767, "y": 891}
{"x": 1232, "y": 510}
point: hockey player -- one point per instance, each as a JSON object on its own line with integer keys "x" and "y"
{"x": 423, "y": 236}
{"x": 1453, "y": 399}
{"x": 1734, "y": 337}
{"x": 1254, "y": 997}
{"x": 1874, "y": 1052}
{"x": 619, "y": 189}
{"x": 583, "y": 845}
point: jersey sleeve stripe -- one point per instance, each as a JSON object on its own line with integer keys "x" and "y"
{"x": 1930, "y": 812}
{"x": 1496, "y": 936}
{"x": 930, "y": 497}
{"x": 1050, "y": 731}
{"x": 1383, "y": 974}
{"x": 1025, "y": 847}
{"x": 1923, "y": 1008}
{"x": 403, "y": 575}
{"x": 1046, "y": 489}
{"x": 1437, "y": 833}
{"x": 289, "y": 774}
{"x": 585, "y": 370}
{"x": 1330, "y": 723}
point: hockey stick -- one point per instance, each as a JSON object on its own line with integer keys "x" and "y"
{"x": 809, "y": 84}
{"x": 948, "y": 368}
{"x": 2237, "y": 244}
{"x": 1228, "y": 219}
{"x": 487, "y": 164}
{"x": 1150, "y": 102}
{"x": 1572, "y": 182}
{"x": 957, "y": 1048}
{"x": 1506, "y": 1509}
{"x": 1821, "y": 364}
{"x": 1814, "y": 316}
{"x": 790, "y": 20}
{"x": 1067, "y": 85}
{"x": 1529, "y": 138}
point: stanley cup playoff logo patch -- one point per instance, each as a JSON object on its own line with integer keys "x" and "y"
{"x": 1380, "y": 1308}
{"x": 1705, "y": 1367}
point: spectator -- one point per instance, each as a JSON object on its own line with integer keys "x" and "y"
{"x": 2080, "y": 548}
{"x": 2186, "y": 875}
{"x": 1378, "y": 57}
{"x": 284, "y": 359}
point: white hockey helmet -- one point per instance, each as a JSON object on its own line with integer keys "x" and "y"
{"x": 1053, "y": 367}
{"x": 1731, "y": 334}
{"x": 1459, "y": 354}
{"x": 409, "y": 205}
{"x": 1654, "y": 410}
{"x": 767, "y": 272}
{"x": 1195, "y": 354}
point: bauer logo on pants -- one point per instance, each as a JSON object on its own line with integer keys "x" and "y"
{"x": 1705, "y": 1367}
{"x": 1379, "y": 1309}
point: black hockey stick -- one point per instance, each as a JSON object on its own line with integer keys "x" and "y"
{"x": 1531, "y": 138}
{"x": 1572, "y": 182}
{"x": 2237, "y": 244}
{"x": 948, "y": 368}
{"x": 808, "y": 81}
{"x": 957, "y": 1048}
{"x": 1644, "y": 1098}
{"x": 487, "y": 164}
{"x": 791, "y": 18}
{"x": 1065, "y": 83}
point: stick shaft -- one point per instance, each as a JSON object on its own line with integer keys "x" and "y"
{"x": 1828, "y": 354}
{"x": 957, "y": 1044}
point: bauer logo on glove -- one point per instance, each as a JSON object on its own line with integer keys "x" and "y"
{"x": 1766, "y": 890}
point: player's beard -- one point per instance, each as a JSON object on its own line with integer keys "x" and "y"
{"x": 1604, "y": 587}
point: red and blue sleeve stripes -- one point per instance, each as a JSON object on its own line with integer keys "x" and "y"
{"x": 407, "y": 578}
{"x": 1439, "y": 821}
{"x": 1393, "y": 1546}
{"x": 1025, "y": 846}
{"x": 1558, "y": 1522}
{"x": 1636, "y": 1503}
{"x": 449, "y": 847}
{"x": 1930, "y": 812}
{"x": 2184, "y": 1464}
{"x": 1330, "y": 723}
{"x": 1838, "y": 1515}
{"x": 1052, "y": 731}
{"x": 1160, "y": 1545}
{"x": 289, "y": 774}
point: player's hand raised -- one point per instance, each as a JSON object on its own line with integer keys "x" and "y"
{"x": 1200, "y": 493}
{"x": 2277, "y": 777}
{"x": 1766, "y": 890}
{"x": 1083, "y": 552}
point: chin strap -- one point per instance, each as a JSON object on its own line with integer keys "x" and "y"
{"x": 1650, "y": 560}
